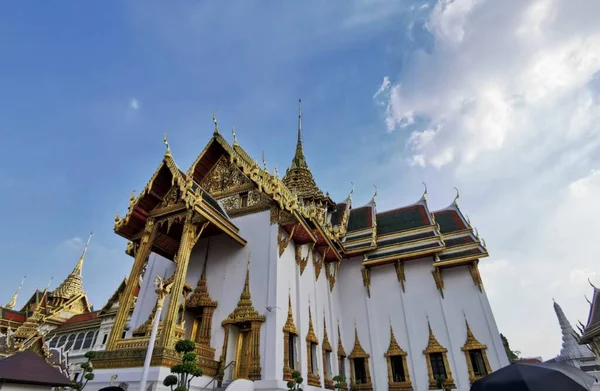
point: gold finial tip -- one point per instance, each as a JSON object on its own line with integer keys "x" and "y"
{"x": 166, "y": 142}
{"x": 214, "y": 118}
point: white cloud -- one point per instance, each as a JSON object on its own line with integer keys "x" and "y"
{"x": 506, "y": 107}
{"x": 134, "y": 104}
{"x": 385, "y": 85}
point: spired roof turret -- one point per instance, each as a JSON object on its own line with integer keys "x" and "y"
{"x": 72, "y": 286}
{"x": 298, "y": 177}
{"x": 570, "y": 349}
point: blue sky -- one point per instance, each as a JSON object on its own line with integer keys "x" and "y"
{"x": 497, "y": 99}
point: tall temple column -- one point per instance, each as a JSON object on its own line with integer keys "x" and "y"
{"x": 188, "y": 240}
{"x": 126, "y": 299}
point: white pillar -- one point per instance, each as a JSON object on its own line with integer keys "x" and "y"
{"x": 162, "y": 292}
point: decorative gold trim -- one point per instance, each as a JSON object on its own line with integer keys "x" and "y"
{"x": 399, "y": 266}
{"x": 395, "y": 350}
{"x": 190, "y": 235}
{"x": 327, "y": 377}
{"x": 439, "y": 281}
{"x": 282, "y": 240}
{"x": 366, "y": 277}
{"x": 200, "y": 298}
{"x": 302, "y": 261}
{"x": 359, "y": 352}
{"x": 243, "y": 314}
{"x": 472, "y": 343}
{"x": 395, "y": 257}
{"x": 341, "y": 355}
{"x": 288, "y": 328}
{"x": 433, "y": 346}
{"x": 311, "y": 339}
{"x": 331, "y": 277}
{"x": 126, "y": 299}
{"x": 474, "y": 270}
{"x": 318, "y": 265}
{"x": 340, "y": 348}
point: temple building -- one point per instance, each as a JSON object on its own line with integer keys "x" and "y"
{"x": 590, "y": 333}
{"x": 60, "y": 325}
{"x": 268, "y": 275}
{"x": 572, "y": 353}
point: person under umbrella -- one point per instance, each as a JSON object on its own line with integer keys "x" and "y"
{"x": 535, "y": 377}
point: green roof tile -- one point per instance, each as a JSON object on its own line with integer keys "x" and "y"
{"x": 449, "y": 221}
{"x": 360, "y": 218}
{"x": 402, "y": 219}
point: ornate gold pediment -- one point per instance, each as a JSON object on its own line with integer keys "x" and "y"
{"x": 225, "y": 178}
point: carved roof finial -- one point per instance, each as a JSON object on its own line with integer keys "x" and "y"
{"x": 216, "y": 131}
{"x": 276, "y": 170}
{"x": 374, "y": 199}
{"x": 424, "y": 196}
{"x": 168, "y": 151}
{"x": 590, "y": 282}
{"x": 235, "y": 142}
{"x": 455, "y": 202}
{"x": 13, "y": 301}
{"x": 264, "y": 162}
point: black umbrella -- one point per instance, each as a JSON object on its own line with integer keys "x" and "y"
{"x": 535, "y": 377}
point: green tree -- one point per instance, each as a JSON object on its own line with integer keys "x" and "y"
{"x": 296, "y": 382}
{"x": 88, "y": 372}
{"x": 340, "y": 382}
{"x": 512, "y": 355}
{"x": 187, "y": 370}
{"x": 170, "y": 381}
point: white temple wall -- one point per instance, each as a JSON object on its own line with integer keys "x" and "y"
{"x": 353, "y": 308}
{"x": 226, "y": 273}
{"x": 157, "y": 266}
{"x": 288, "y": 285}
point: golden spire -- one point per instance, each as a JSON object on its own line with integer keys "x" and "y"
{"x": 72, "y": 285}
{"x": 357, "y": 350}
{"x": 289, "y": 323}
{"x": 200, "y": 297}
{"x": 340, "y": 349}
{"x": 299, "y": 160}
{"x": 311, "y": 336}
{"x": 13, "y": 301}
{"x": 216, "y": 131}
{"x": 298, "y": 176}
{"x": 30, "y": 327}
{"x": 326, "y": 344}
{"x": 244, "y": 312}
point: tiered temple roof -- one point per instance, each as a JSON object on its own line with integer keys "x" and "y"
{"x": 226, "y": 182}
{"x": 66, "y": 305}
{"x": 591, "y": 331}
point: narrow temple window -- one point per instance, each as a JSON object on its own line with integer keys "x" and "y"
{"x": 397, "y": 369}
{"x": 478, "y": 363}
{"x": 328, "y": 365}
{"x": 313, "y": 358}
{"x": 437, "y": 365}
{"x": 292, "y": 351}
{"x": 342, "y": 366}
{"x": 243, "y": 200}
{"x": 79, "y": 341}
{"x": 360, "y": 372}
